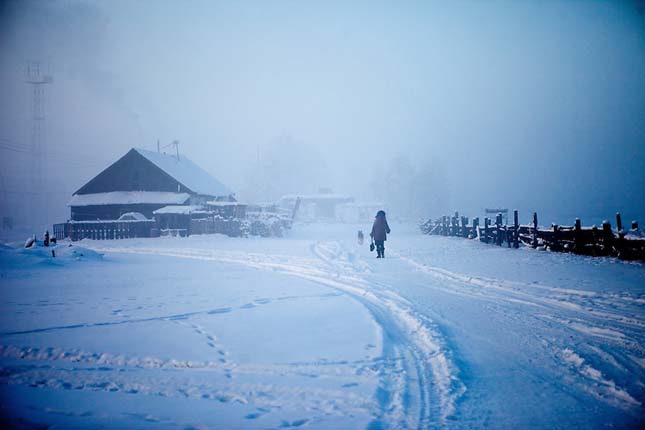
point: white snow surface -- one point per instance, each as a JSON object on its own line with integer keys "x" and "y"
{"x": 133, "y": 216}
{"x": 311, "y": 331}
{"x": 187, "y": 173}
{"x": 224, "y": 203}
{"x": 179, "y": 209}
{"x": 128, "y": 197}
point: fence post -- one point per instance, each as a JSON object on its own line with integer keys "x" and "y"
{"x": 475, "y": 226}
{"x": 556, "y": 242}
{"x": 498, "y": 229}
{"x": 595, "y": 244}
{"x": 608, "y": 237}
{"x": 619, "y": 226}
{"x": 455, "y": 224}
{"x": 516, "y": 232}
{"x": 534, "y": 242}
{"x": 578, "y": 236}
{"x": 486, "y": 223}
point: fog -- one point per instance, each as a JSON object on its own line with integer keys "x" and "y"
{"x": 430, "y": 107}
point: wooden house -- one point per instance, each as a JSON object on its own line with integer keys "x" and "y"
{"x": 145, "y": 181}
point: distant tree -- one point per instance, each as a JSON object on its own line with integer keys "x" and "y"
{"x": 412, "y": 190}
{"x": 285, "y": 166}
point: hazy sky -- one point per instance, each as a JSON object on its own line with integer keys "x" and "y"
{"x": 535, "y": 105}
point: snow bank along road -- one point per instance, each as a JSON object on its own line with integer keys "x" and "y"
{"x": 311, "y": 331}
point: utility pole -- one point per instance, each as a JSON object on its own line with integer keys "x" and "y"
{"x": 176, "y": 145}
{"x": 36, "y": 77}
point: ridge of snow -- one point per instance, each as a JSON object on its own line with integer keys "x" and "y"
{"x": 178, "y": 209}
{"x": 128, "y": 197}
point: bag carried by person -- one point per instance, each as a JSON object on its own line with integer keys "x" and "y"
{"x": 372, "y": 246}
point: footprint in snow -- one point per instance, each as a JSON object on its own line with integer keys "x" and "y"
{"x": 296, "y": 423}
{"x": 219, "y": 311}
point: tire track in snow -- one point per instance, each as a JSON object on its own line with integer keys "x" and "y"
{"x": 313, "y": 400}
{"x": 520, "y": 292}
{"x": 108, "y": 361}
{"x": 420, "y": 345}
{"x": 428, "y": 360}
{"x": 57, "y": 368}
{"x": 623, "y": 332}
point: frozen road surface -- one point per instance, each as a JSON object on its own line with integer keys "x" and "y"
{"x": 311, "y": 331}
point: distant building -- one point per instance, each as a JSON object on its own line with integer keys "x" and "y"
{"x": 359, "y": 211}
{"x": 145, "y": 181}
{"x": 316, "y": 207}
{"x": 149, "y": 194}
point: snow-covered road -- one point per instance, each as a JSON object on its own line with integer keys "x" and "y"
{"x": 312, "y": 331}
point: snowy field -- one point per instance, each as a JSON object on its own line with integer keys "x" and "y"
{"x": 311, "y": 331}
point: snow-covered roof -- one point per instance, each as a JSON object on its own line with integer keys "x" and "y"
{"x": 129, "y": 197}
{"x": 222, "y": 203}
{"x": 133, "y": 216}
{"x": 187, "y": 173}
{"x": 110, "y": 221}
{"x": 179, "y": 209}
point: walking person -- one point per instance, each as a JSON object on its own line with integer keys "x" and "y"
{"x": 379, "y": 233}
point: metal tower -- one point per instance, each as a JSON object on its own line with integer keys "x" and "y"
{"x": 36, "y": 77}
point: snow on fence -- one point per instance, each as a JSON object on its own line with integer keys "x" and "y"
{"x": 256, "y": 224}
{"x": 106, "y": 229}
{"x": 179, "y": 221}
{"x": 622, "y": 243}
{"x": 216, "y": 224}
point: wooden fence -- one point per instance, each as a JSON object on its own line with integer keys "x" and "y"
{"x": 101, "y": 230}
{"x": 621, "y": 243}
{"x": 233, "y": 227}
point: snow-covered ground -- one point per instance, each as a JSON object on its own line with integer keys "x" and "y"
{"x": 311, "y": 331}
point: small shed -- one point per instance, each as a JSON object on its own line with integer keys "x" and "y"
{"x": 227, "y": 209}
{"x": 178, "y": 217}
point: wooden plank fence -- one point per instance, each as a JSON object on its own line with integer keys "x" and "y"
{"x": 102, "y": 230}
{"x": 233, "y": 227}
{"x": 592, "y": 241}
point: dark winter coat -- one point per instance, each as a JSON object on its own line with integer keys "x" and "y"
{"x": 380, "y": 229}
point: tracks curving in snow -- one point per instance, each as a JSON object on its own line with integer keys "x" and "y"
{"x": 419, "y": 382}
{"x": 601, "y": 319}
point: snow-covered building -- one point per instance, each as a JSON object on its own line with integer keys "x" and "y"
{"x": 359, "y": 211}
{"x": 315, "y": 207}
{"x": 145, "y": 181}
